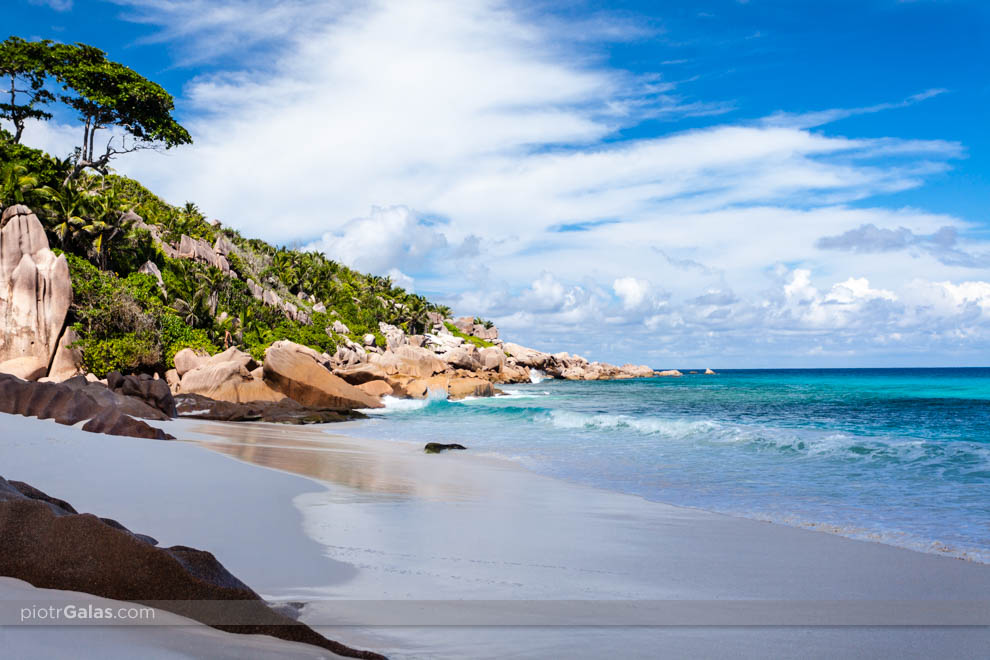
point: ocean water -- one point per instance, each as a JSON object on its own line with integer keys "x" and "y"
{"x": 900, "y": 456}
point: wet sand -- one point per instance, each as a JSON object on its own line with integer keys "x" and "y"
{"x": 304, "y": 514}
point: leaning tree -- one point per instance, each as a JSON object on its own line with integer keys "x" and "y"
{"x": 106, "y": 94}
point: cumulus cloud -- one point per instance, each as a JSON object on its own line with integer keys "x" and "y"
{"x": 492, "y": 154}
{"x": 386, "y": 240}
{"x": 631, "y": 291}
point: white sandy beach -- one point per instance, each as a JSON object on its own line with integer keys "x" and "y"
{"x": 331, "y": 517}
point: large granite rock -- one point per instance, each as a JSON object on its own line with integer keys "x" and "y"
{"x": 152, "y": 391}
{"x": 394, "y": 336}
{"x": 25, "y": 368}
{"x": 637, "y": 370}
{"x": 283, "y": 411}
{"x": 187, "y": 359}
{"x": 378, "y": 388}
{"x": 296, "y": 372}
{"x": 458, "y": 388}
{"x": 107, "y": 398}
{"x": 68, "y": 360}
{"x": 362, "y": 373}
{"x": 465, "y": 357}
{"x": 51, "y": 546}
{"x": 528, "y": 357}
{"x": 409, "y": 360}
{"x": 223, "y": 246}
{"x": 75, "y": 401}
{"x": 35, "y": 293}
{"x": 454, "y": 387}
{"x": 492, "y": 358}
{"x": 151, "y": 268}
{"x": 467, "y": 325}
{"x": 197, "y": 250}
{"x": 228, "y": 376}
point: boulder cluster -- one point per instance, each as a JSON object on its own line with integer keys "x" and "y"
{"x": 357, "y": 375}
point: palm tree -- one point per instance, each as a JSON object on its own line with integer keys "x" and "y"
{"x": 108, "y": 226}
{"x": 417, "y": 316}
{"x": 67, "y": 207}
{"x": 15, "y": 180}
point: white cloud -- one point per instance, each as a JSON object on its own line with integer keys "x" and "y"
{"x": 57, "y": 5}
{"x": 387, "y": 239}
{"x": 631, "y": 291}
{"x": 484, "y": 145}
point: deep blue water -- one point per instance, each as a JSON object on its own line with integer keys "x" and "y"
{"x": 896, "y": 455}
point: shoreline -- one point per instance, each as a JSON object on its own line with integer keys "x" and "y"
{"x": 379, "y": 520}
{"x": 935, "y": 547}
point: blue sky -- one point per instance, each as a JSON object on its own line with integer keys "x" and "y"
{"x": 759, "y": 183}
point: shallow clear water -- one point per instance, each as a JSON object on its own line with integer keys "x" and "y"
{"x": 895, "y": 455}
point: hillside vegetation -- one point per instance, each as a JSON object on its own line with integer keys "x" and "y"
{"x": 110, "y": 227}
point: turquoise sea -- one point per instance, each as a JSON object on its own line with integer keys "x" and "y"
{"x": 900, "y": 456}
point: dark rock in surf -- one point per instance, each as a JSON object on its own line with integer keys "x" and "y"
{"x": 437, "y": 447}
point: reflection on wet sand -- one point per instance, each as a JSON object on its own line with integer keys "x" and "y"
{"x": 309, "y": 451}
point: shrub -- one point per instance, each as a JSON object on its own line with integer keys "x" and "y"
{"x": 124, "y": 353}
{"x": 176, "y": 335}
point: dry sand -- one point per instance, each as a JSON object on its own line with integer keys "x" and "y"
{"x": 332, "y": 517}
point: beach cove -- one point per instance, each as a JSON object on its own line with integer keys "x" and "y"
{"x": 305, "y": 514}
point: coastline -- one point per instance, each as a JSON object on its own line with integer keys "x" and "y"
{"x": 374, "y": 519}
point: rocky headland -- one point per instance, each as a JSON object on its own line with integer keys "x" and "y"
{"x": 294, "y": 383}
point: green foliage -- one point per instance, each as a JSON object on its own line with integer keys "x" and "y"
{"x": 124, "y": 353}
{"x": 471, "y": 339}
{"x": 124, "y": 324}
{"x": 116, "y": 333}
{"x": 128, "y": 323}
{"x": 313, "y": 335}
{"x": 103, "y": 93}
{"x": 176, "y": 335}
{"x": 24, "y": 67}
{"x": 42, "y": 169}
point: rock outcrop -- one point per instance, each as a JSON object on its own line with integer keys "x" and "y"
{"x": 362, "y": 373}
{"x": 187, "y": 359}
{"x": 152, "y": 391}
{"x": 68, "y": 360}
{"x": 197, "y": 250}
{"x": 296, "y": 372}
{"x": 377, "y": 388}
{"x": 409, "y": 360}
{"x": 467, "y": 325}
{"x": 78, "y": 400}
{"x": 51, "y": 546}
{"x": 437, "y": 447}
{"x": 35, "y": 293}
{"x": 284, "y": 411}
{"x": 227, "y": 376}
{"x": 150, "y": 268}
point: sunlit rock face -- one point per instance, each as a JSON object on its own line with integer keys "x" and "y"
{"x": 35, "y": 292}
